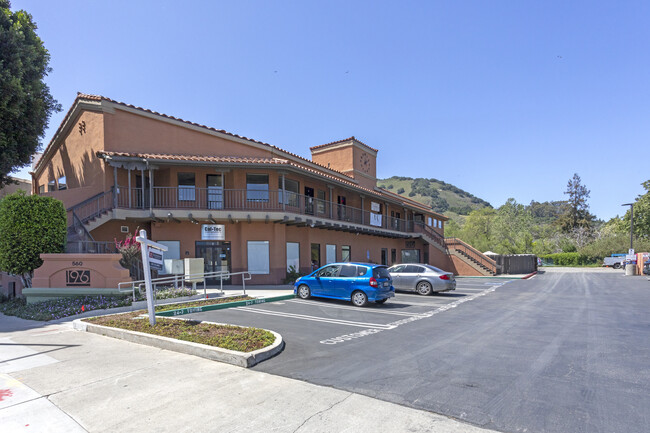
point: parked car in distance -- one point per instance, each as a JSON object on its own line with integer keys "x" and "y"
{"x": 613, "y": 262}
{"x": 357, "y": 282}
{"x": 424, "y": 279}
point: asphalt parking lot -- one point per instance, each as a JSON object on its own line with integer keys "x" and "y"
{"x": 556, "y": 353}
{"x": 334, "y": 322}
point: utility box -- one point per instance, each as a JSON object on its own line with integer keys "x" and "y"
{"x": 174, "y": 267}
{"x": 194, "y": 267}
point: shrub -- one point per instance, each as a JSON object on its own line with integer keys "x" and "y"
{"x": 400, "y": 191}
{"x": 30, "y": 225}
{"x": 292, "y": 275}
{"x": 568, "y": 259}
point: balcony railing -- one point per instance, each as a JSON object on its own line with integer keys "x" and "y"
{"x": 191, "y": 198}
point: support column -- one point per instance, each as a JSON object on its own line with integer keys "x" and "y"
{"x": 142, "y": 186}
{"x": 129, "y": 173}
{"x": 116, "y": 189}
{"x": 330, "y": 188}
{"x": 284, "y": 193}
{"x": 151, "y": 191}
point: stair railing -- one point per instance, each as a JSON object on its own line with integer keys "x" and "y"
{"x": 471, "y": 253}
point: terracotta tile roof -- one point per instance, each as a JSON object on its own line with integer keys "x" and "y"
{"x": 200, "y": 158}
{"x": 320, "y": 146}
{"x": 235, "y": 160}
{"x": 222, "y": 131}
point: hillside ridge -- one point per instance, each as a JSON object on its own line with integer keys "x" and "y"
{"x": 443, "y": 197}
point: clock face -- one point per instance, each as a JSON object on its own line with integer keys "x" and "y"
{"x": 365, "y": 162}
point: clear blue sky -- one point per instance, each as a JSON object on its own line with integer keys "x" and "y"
{"x": 500, "y": 98}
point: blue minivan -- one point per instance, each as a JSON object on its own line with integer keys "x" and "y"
{"x": 357, "y": 282}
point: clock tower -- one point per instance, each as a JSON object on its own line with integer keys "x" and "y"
{"x": 351, "y": 157}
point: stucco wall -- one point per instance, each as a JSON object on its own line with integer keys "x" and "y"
{"x": 75, "y": 159}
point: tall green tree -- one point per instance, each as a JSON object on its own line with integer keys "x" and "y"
{"x": 577, "y": 213}
{"x": 641, "y": 215}
{"x": 512, "y": 229}
{"x": 30, "y": 225}
{"x": 25, "y": 100}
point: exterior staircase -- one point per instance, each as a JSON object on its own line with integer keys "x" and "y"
{"x": 471, "y": 256}
{"x": 86, "y": 216}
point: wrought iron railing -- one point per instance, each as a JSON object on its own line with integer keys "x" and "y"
{"x": 191, "y": 198}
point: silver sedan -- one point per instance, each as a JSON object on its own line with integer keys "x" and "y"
{"x": 424, "y": 279}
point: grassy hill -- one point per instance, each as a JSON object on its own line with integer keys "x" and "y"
{"x": 443, "y": 197}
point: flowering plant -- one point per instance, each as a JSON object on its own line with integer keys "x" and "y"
{"x": 130, "y": 250}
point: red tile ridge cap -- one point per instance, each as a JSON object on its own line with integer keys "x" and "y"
{"x": 353, "y": 138}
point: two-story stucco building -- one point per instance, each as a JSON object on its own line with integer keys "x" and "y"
{"x": 241, "y": 204}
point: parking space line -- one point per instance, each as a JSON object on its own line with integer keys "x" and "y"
{"x": 345, "y": 307}
{"x": 356, "y": 335}
{"x": 316, "y": 319}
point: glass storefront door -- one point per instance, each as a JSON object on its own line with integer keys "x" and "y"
{"x": 216, "y": 257}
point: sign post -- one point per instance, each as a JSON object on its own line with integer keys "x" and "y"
{"x": 151, "y": 259}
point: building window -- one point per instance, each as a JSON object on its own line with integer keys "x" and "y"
{"x": 411, "y": 256}
{"x": 330, "y": 254}
{"x": 51, "y": 186}
{"x": 290, "y": 193}
{"x": 62, "y": 183}
{"x": 258, "y": 257}
{"x": 439, "y": 224}
{"x": 430, "y": 221}
{"x": 345, "y": 253}
{"x": 41, "y": 189}
{"x": 186, "y": 187}
{"x": 393, "y": 256}
{"x": 293, "y": 256}
{"x": 257, "y": 187}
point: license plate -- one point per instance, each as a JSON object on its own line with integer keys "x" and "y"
{"x": 385, "y": 283}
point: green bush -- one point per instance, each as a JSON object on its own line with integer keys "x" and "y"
{"x": 292, "y": 275}
{"x": 568, "y": 259}
{"x": 30, "y": 225}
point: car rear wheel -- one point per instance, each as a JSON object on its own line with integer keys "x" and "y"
{"x": 381, "y": 301}
{"x": 304, "y": 292}
{"x": 359, "y": 299}
{"x": 617, "y": 265}
{"x": 424, "y": 288}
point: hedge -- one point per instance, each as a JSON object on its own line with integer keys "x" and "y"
{"x": 568, "y": 259}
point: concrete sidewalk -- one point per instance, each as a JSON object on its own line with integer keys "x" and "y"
{"x": 55, "y": 379}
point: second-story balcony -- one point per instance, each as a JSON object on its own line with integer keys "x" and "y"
{"x": 212, "y": 204}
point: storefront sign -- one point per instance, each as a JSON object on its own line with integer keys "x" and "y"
{"x": 375, "y": 219}
{"x": 213, "y": 232}
{"x": 374, "y": 206}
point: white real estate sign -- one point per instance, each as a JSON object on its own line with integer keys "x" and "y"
{"x": 145, "y": 247}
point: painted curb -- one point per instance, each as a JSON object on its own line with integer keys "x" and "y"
{"x": 487, "y": 277}
{"x": 224, "y": 305}
{"x": 241, "y": 359}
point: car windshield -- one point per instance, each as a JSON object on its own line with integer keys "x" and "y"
{"x": 380, "y": 272}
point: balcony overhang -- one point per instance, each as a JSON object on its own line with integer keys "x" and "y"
{"x": 194, "y": 216}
